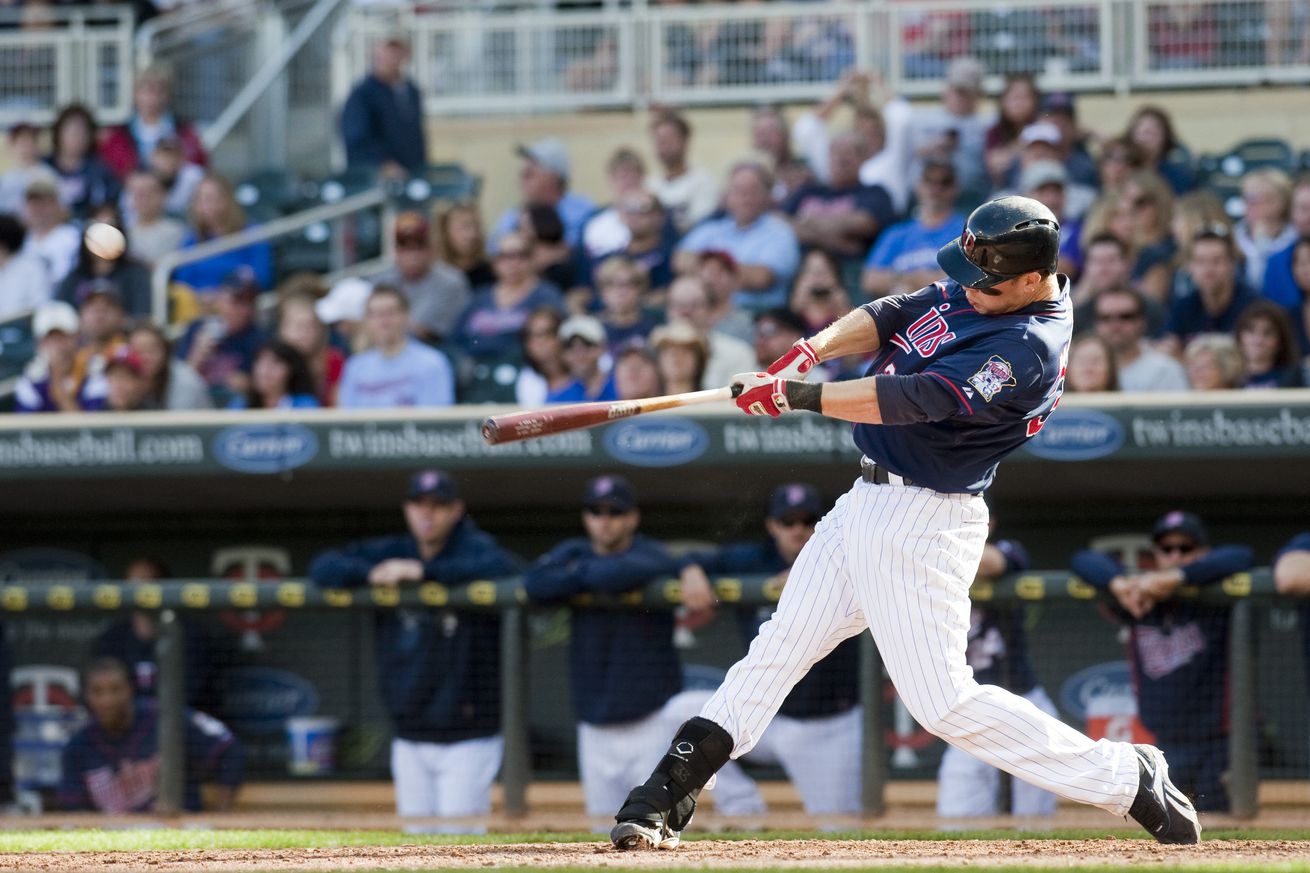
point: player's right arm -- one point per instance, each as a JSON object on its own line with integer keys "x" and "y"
{"x": 1292, "y": 567}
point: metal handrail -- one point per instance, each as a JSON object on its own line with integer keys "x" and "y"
{"x": 165, "y": 266}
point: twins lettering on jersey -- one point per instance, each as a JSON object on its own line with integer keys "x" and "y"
{"x": 926, "y": 334}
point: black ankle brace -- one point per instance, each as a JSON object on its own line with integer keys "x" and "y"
{"x": 697, "y": 752}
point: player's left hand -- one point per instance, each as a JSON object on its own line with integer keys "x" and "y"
{"x": 796, "y": 362}
{"x": 1159, "y": 584}
{"x": 760, "y": 394}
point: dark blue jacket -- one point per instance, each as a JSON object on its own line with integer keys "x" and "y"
{"x": 380, "y": 123}
{"x": 1178, "y": 650}
{"x": 1298, "y": 543}
{"x": 621, "y": 661}
{"x": 832, "y": 685}
{"x": 438, "y": 670}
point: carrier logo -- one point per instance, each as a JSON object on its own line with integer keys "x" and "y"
{"x": 265, "y": 448}
{"x": 1077, "y": 435}
{"x": 259, "y": 700}
{"x": 663, "y": 443}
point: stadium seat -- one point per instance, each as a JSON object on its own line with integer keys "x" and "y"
{"x": 1255, "y": 153}
{"x": 17, "y": 346}
{"x": 268, "y": 193}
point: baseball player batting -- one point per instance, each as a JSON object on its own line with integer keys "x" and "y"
{"x": 965, "y": 370}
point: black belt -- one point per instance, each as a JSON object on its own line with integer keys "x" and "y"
{"x": 876, "y": 475}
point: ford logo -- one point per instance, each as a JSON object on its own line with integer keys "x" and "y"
{"x": 265, "y": 448}
{"x": 1077, "y": 435}
{"x": 258, "y": 700}
{"x": 1101, "y": 689}
{"x": 663, "y": 443}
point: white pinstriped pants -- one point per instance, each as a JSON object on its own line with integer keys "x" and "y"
{"x": 899, "y": 561}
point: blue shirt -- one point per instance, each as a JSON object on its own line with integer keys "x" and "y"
{"x": 576, "y": 392}
{"x": 1281, "y": 287}
{"x": 973, "y": 386}
{"x": 909, "y": 246}
{"x": 418, "y": 376}
{"x": 207, "y": 275}
{"x": 1188, "y": 315}
{"x": 574, "y": 209}
{"x": 485, "y": 331}
{"x": 1301, "y": 543}
{"x": 768, "y": 242}
{"x": 383, "y": 123}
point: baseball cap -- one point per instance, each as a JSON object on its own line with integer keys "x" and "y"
{"x": 584, "y": 326}
{"x": 609, "y": 490}
{"x": 1040, "y": 131}
{"x": 795, "y": 497}
{"x": 548, "y": 153}
{"x": 99, "y": 287}
{"x": 123, "y": 356}
{"x": 396, "y": 36}
{"x": 723, "y": 256}
{"x": 345, "y": 302}
{"x": 1178, "y": 521}
{"x": 1040, "y": 173}
{"x": 54, "y": 315}
{"x": 678, "y": 333}
{"x": 242, "y": 282}
{"x": 1059, "y": 102}
{"x": 42, "y": 187}
{"x": 412, "y": 227}
{"x": 436, "y": 484}
{"x": 966, "y": 73}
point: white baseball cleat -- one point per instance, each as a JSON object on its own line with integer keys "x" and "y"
{"x": 1160, "y": 807}
{"x": 637, "y": 835}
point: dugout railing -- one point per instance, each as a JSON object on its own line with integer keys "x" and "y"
{"x": 1244, "y": 594}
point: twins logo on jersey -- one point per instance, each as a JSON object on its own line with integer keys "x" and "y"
{"x": 927, "y": 333}
{"x": 994, "y": 375}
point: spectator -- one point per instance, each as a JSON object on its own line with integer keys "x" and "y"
{"x": 1047, "y": 182}
{"x": 637, "y": 374}
{"x": 997, "y": 652}
{"x": 1058, "y": 109}
{"x": 718, "y": 271}
{"x": 1149, "y": 204}
{"x": 689, "y": 301}
{"x": 215, "y": 213}
{"x": 279, "y": 379}
{"x": 83, "y": 180}
{"x": 1178, "y": 649}
{"x": 342, "y": 311}
{"x": 50, "y": 382}
{"x": 1151, "y": 130}
{"x": 819, "y": 298}
{"x": 1120, "y": 319}
{"x": 50, "y": 239}
{"x": 955, "y": 131}
{"x": 1213, "y": 363}
{"x": 544, "y": 181}
{"x": 1118, "y": 159}
{"x": 681, "y": 354}
{"x": 128, "y": 147}
{"x": 904, "y": 258}
{"x": 396, "y": 370}
{"x": 127, "y": 389}
{"x": 128, "y": 274}
{"x": 624, "y": 672}
{"x": 438, "y": 670}
{"x": 462, "y": 244}
{"x": 103, "y": 326}
{"x": 171, "y": 382}
{"x": 583, "y": 339}
{"x": 552, "y": 257}
{"x": 221, "y": 347}
{"x": 816, "y": 734}
{"x": 605, "y": 231}
{"x": 24, "y": 284}
{"x": 488, "y": 329}
{"x": 437, "y": 293}
{"x": 1107, "y": 267}
{"x": 776, "y": 330}
{"x": 1214, "y": 295}
{"x": 651, "y": 239}
{"x": 298, "y": 326}
{"x": 688, "y": 194}
{"x": 1291, "y": 567}
{"x": 1041, "y": 143}
{"x": 771, "y": 138}
{"x": 132, "y": 639}
{"x": 1269, "y": 351}
{"x": 112, "y": 764}
{"x": 150, "y": 231}
{"x": 845, "y": 216}
{"x": 1091, "y": 365}
{"x": 25, "y": 165}
{"x": 1019, "y": 103}
{"x": 762, "y": 244}
{"x": 382, "y": 121}
{"x": 179, "y": 178}
{"x": 1300, "y": 314}
{"x": 544, "y": 372}
{"x": 622, "y": 290}
{"x": 1266, "y": 227}
{"x": 1194, "y": 212}
{"x": 1280, "y": 285}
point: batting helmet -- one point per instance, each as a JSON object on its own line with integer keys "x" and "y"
{"x": 1002, "y": 239}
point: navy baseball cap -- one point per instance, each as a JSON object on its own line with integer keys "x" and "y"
{"x": 1188, "y": 524}
{"x": 795, "y": 498}
{"x": 610, "y": 490}
{"x": 436, "y": 484}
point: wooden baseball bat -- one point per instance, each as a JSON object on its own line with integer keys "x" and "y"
{"x": 514, "y": 426}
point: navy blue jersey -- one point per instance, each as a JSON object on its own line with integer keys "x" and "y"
{"x": 1301, "y": 543}
{"x": 622, "y": 663}
{"x": 985, "y": 383}
{"x": 832, "y": 685}
{"x": 121, "y": 773}
{"x": 438, "y": 670}
{"x": 1179, "y": 650}
{"x": 998, "y": 644}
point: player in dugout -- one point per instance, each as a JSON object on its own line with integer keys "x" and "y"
{"x": 1178, "y": 649}
{"x": 1292, "y": 577}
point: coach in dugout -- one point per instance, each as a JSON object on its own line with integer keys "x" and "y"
{"x": 438, "y": 670}
{"x": 1178, "y": 649}
{"x": 112, "y": 764}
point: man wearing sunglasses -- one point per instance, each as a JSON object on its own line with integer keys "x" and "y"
{"x": 964, "y": 371}
{"x": 1178, "y": 649}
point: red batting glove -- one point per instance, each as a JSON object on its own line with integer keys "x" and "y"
{"x": 760, "y": 394}
{"x": 796, "y": 363}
